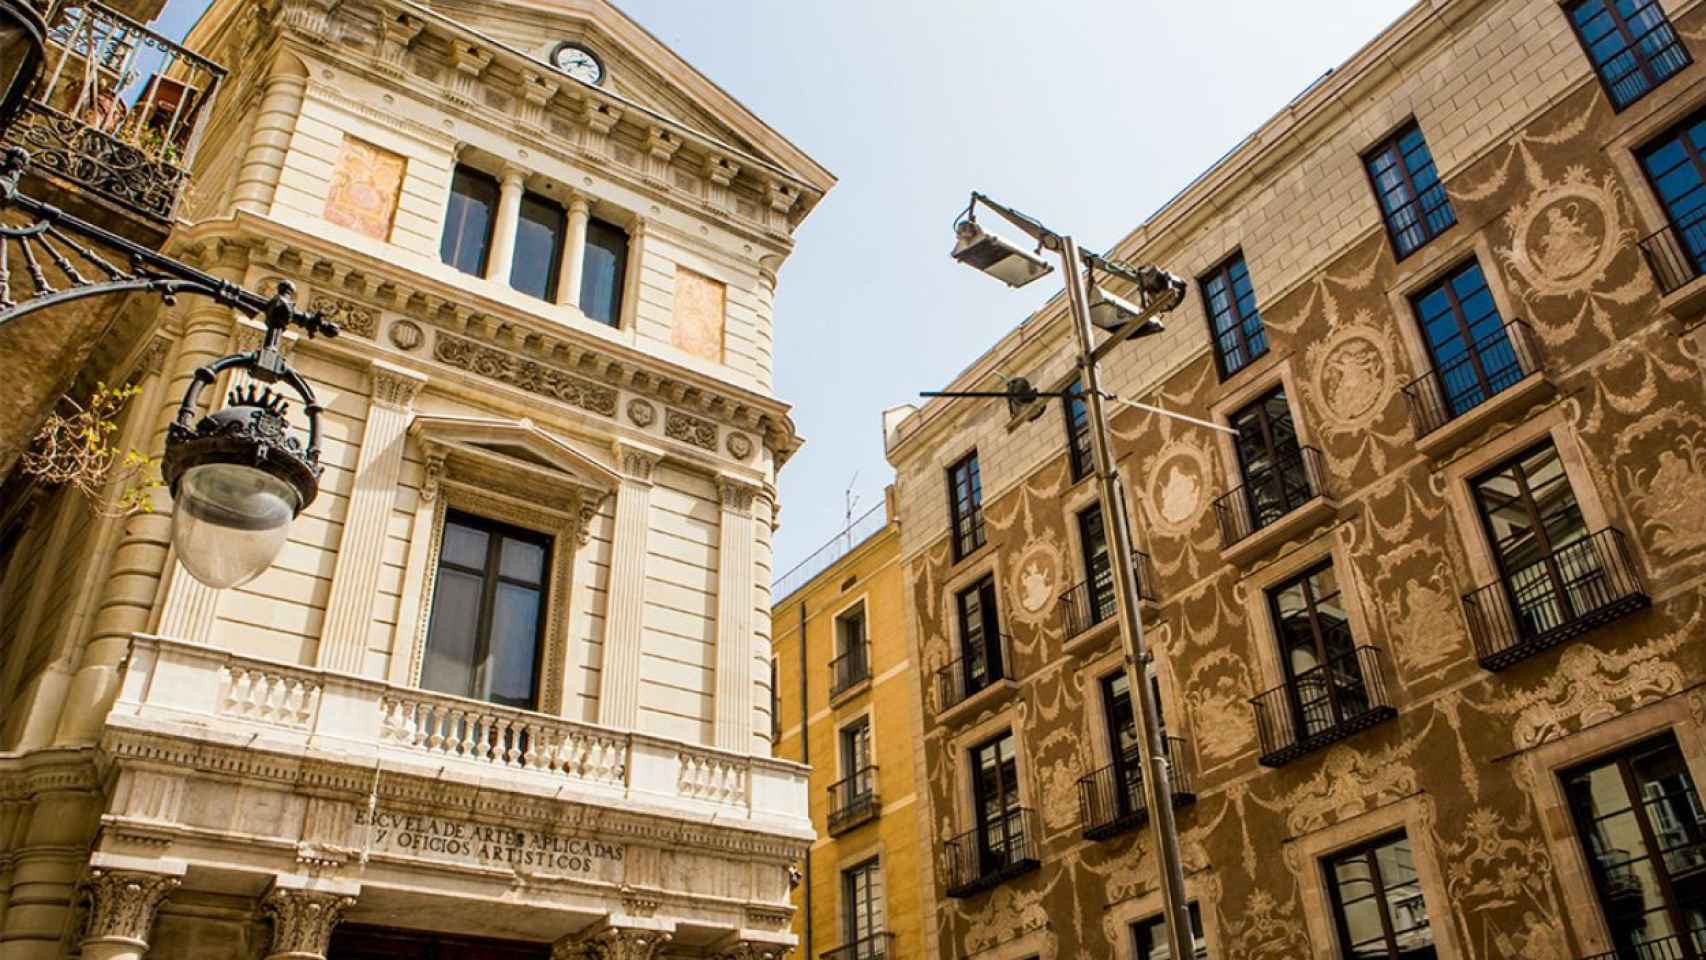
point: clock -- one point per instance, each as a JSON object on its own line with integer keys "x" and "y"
{"x": 578, "y": 62}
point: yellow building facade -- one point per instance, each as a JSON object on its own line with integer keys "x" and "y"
{"x": 843, "y": 664}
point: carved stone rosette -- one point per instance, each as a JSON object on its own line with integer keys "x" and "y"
{"x": 302, "y": 922}
{"x": 612, "y": 943}
{"x": 122, "y": 904}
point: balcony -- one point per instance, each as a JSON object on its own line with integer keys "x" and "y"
{"x": 1273, "y": 506}
{"x": 853, "y": 801}
{"x": 1563, "y": 595}
{"x": 1674, "y": 947}
{"x": 1676, "y": 254}
{"x": 877, "y": 946}
{"x": 1323, "y": 705}
{"x": 202, "y": 693}
{"x": 973, "y": 678}
{"x": 992, "y": 854}
{"x": 1093, "y": 602}
{"x": 114, "y": 122}
{"x": 1499, "y": 374}
{"x": 1111, "y": 800}
{"x": 849, "y": 671}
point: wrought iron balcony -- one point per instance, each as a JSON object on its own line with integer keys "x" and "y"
{"x": 1111, "y": 800}
{"x": 1323, "y": 705}
{"x": 1674, "y": 947}
{"x": 992, "y": 854}
{"x": 117, "y": 115}
{"x": 1676, "y": 253}
{"x": 1560, "y": 596}
{"x": 972, "y": 672}
{"x": 853, "y": 801}
{"x": 1269, "y": 495}
{"x": 849, "y": 669}
{"x": 1492, "y": 365}
{"x": 877, "y": 946}
{"x": 1094, "y": 601}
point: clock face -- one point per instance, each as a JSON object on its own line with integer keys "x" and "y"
{"x": 578, "y": 62}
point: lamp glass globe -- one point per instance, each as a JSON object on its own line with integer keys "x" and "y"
{"x": 230, "y": 521}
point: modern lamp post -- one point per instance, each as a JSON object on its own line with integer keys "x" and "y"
{"x": 1094, "y": 308}
{"x": 237, "y": 476}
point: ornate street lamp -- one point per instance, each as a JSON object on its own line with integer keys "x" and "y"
{"x": 22, "y": 37}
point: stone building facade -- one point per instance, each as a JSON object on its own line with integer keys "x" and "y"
{"x": 506, "y": 690}
{"x": 1429, "y": 630}
{"x": 842, "y": 650}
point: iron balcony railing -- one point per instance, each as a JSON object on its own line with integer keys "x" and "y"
{"x": 1323, "y": 705}
{"x": 1690, "y": 946}
{"x": 853, "y": 801}
{"x": 119, "y": 110}
{"x": 852, "y": 667}
{"x": 997, "y": 851}
{"x": 1490, "y": 366}
{"x": 1094, "y": 600}
{"x": 1562, "y": 595}
{"x": 1270, "y": 494}
{"x": 877, "y": 946}
{"x": 973, "y": 671}
{"x": 1111, "y": 800}
{"x": 1676, "y": 253}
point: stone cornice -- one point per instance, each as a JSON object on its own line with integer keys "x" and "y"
{"x": 24, "y": 776}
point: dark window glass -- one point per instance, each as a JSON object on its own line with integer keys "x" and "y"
{"x": 1120, "y": 716}
{"x": 1276, "y": 479}
{"x": 1079, "y": 454}
{"x": 1233, "y": 322}
{"x": 851, "y": 649}
{"x": 965, "y": 506}
{"x": 980, "y": 635}
{"x": 1412, "y": 199}
{"x": 1675, "y": 164}
{"x": 1643, "y": 828}
{"x": 1098, "y": 565}
{"x": 1151, "y": 937}
{"x": 1377, "y": 899}
{"x": 995, "y": 785}
{"x": 1471, "y": 349}
{"x": 1631, "y": 44}
{"x": 468, "y": 221}
{"x": 603, "y": 271}
{"x": 538, "y": 248}
{"x": 862, "y": 907}
{"x": 1532, "y": 519}
{"x": 855, "y": 746}
{"x": 487, "y": 612}
{"x": 1324, "y": 678}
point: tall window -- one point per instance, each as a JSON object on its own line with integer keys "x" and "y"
{"x": 1098, "y": 565}
{"x": 483, "y": 640}
{"x": 1631, "y": 44}
{"x": 1233, "y": 322}
{"x": 980, "y": 635}
{"x": 468, "y": 221}
{"x": 965, "y": 505}
{"x": 602, "y": 272}
{"x": 1151, "y": 936}
{"x": 1276, "y": 479}
{"x": 1643, "y": 828}
{"x": 538, "y": 247}
{"x": 1377, "y": 899}
{"x": 862, "y": 910}
{"x": 1539, "y": 537}
{"x": 1675, "y": 164}
{"x": 852, "y": 662}
{"x": 1471, "y": 349}
{"x": 1119, "y": 713}
{"x": 775, "y": 701}
{"x": 1412, "y": 200}
{"x": 995, "y": 788}
{"x": 1323, "y": 677}
{"x": 1080, "y": 457}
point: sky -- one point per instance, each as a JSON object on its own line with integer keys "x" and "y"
{"x": 1088, "y": 114}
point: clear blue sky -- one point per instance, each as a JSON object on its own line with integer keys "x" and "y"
{"x": 1086, "y": 114}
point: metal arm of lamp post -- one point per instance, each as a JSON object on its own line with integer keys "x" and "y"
{"x": 1160, "y": 292}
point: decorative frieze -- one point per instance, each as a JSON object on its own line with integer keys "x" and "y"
{"x": 302, "y": 921}
{"x": 690, "y": 429}
{"x": 122, "y": 904}
{"x": 524, "y": 374}
{"x": 351, "y": 318}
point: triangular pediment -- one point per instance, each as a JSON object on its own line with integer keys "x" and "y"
{"x": 517, "y": 447}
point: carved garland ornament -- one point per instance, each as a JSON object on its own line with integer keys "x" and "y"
{"x": 524, "y": 374}
{"x": 690, "y": 429}
{"x": 122, "y": 904}
{"x": 350, "y": 317}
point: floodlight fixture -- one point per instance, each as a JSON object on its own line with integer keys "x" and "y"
{"x": 996, "y": 255}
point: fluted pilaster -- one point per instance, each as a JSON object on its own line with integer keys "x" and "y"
{"x": 619, "y": 680}
{"x": 734, "y": 617}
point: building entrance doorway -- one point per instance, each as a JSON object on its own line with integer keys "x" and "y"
{"x": 357, "y": 942}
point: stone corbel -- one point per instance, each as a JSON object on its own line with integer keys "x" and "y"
{"x": 600, "y": 118}
{"x": 432, "y": 477}
{"x": 719, "y": 172}
{"x": 782, "y": 197}
{"x": 303, "y": 920}
{"x": 122, "y": 907}
{"x": 586, "y": 511}
{"x": 395, "y": 39}
{"x": 536, "y": 92}
{"x": 661, "y": 146}
{"x": 468, "y": 62}
{"x": 609, "y": 942}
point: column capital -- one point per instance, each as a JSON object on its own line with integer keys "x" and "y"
{"x": 122, "y": 904}
{"x": 737, "y": 494}
{"x": 302, "y": 921}
{"x": 751, "y": 950}
{"x": 607, "y": 942}
{"x": 580, "y": 202}
{"x": 637, "y": 463}
{"x": 393, "y": 386}
{"x": 513, "y": 174}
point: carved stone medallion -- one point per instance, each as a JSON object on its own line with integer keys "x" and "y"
{"x": 1035, "y": 580}
{"x": 739, "y": 446}
{"x": 406, "y": 335}
{"x": 642, "y": 413}
{"x": 1178, "y": 489}
{"x": 1352, "y": 376}
{"x": 1562, "y": 238}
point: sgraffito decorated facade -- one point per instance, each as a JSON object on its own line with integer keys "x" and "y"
{"x": 1442, "y": 591}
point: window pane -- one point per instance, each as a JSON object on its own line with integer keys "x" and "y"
{"x": 602, "y": 273}
{"x": 1152, "y": 937}
{"x": 1230, "y": 299}
{"x": 522, "y": 560}
{"x": 468, "y": 221}
{"x": 1407, "y": 186}
{"x": 464, "y": 546}
{"x": 538, "y": 248}
{"x": 514, "y": 645}
{"x": 453, "y": 633}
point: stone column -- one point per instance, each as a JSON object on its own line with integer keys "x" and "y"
{"x": 502, "y": 257}
{"x": 302, "y": 921}
{"x": 574, "y": 253}
{"x": 734, "y": 617}
{"x": 606, "y": 942}
{"x": 752, "y": 950}
{"x": 122, "y": 906}
{"x": 361, "y": 548}
{"x": 275, "y": 123}
{"x": 625, "y": 604}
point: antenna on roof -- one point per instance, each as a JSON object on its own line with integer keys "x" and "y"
{"x": 852, "y": 500}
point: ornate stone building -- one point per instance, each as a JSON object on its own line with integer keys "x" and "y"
{"x": 506, "y": 692}
{"x": 1429, "y": 624}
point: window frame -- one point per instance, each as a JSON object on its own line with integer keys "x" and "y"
{"x": 970, "y": 512}
{"x": 1223, "y": 272}
{"x": 1101, "y": 595}
{"x": 497, "y": 532}
{"x": 988, "y": 626}
{"x": 559, "y": 240}
{"x": 1678, "y": 131}
{"x": 1513, "y": 461}
{"x": 877, "y": 919}
{"x": 1390, "y": 143}
{"x": 472, "y": 173}
{"x": 1474, "y": 351}
{"x": 1632, "y": 46}
{"x": 1288, "y": 672}
{"x": 1012, "y": 795}
{"x": 1366, "y": 848}
{"x": 1149, "y": 926}
{"x": 1080, "y": 449}
{"x": 619, "y": 281}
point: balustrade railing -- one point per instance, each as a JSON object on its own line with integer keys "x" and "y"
{"x": 851, "y": 668}
{"x": 1562, "y": 595}
{"x": 1111, "y": 800}
{"x": 853, "y": 800}
{"x": 439, "y": 725}
{"x": 1492, "y": 365}
{"x": 1090, "y": 602}
{"x": 973, "y": 671}
{"x": 1676, "y": 252}
{"x": 1270, "y": 494}
{"x": 1690, "y": 946}
{"x": 998, "y": 850}
{"x": 1323, "y": 705}
{"x": 877, "y": 946}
